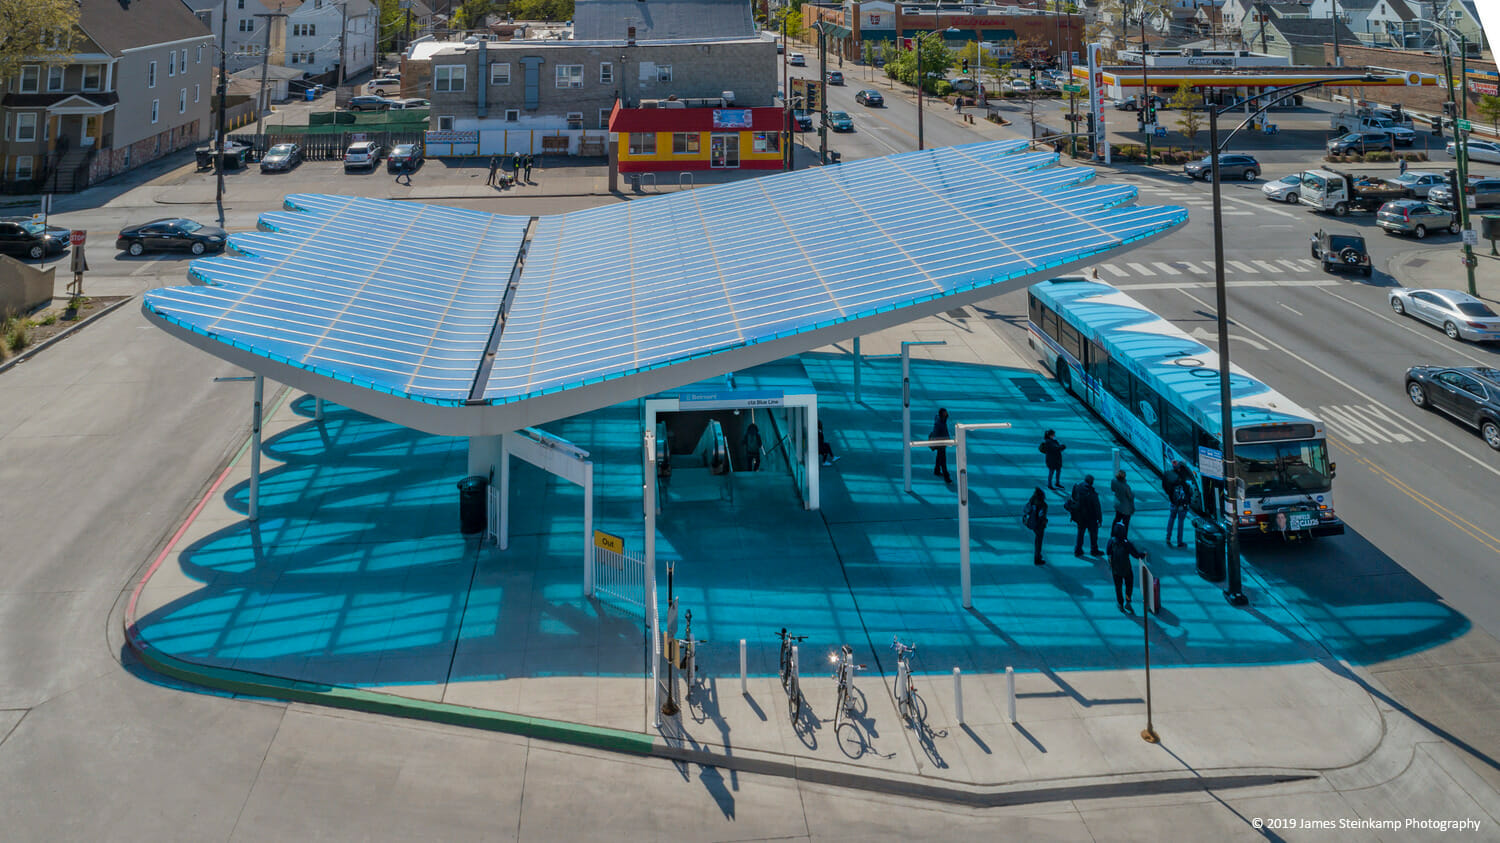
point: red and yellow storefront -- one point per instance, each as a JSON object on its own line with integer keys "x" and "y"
{"x": 696, "y": 138}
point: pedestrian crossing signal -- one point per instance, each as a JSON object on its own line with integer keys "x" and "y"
{"x": 966, "y": 65}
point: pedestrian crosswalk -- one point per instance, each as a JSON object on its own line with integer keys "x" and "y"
{"x": 1184, "y": 270}
{"x": 1360, "y": 424}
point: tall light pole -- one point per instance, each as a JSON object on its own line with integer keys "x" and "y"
{"x": 1460, "y": 138}
{"x": 223, "y": 94}
{"x": 1143, "y": 105}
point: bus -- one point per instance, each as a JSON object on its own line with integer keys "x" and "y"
{"x": 1158, "y": 389}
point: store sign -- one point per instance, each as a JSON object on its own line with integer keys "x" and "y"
{"x": 1210, "y": 61}
{"x": 731, "y": 118}
{"x": 1489, "y": 88}
{"x": 1096, "y": 102}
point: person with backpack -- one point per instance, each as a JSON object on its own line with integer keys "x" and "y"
{"x": 1034, "y": 518}
{"x": 1083, "y": 505}
{"x": 1175, "y": 483}
{"x": 940, "y": 431}
{"x": 1121, "y": 550}
{"x": 825, "y": 450}
{"x": 1124, "y": 499}
{"x": 752, "y": 448}
{"x": 1053, "y": 450}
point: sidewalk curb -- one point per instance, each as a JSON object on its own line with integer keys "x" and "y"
{"x": 70, "y": 331}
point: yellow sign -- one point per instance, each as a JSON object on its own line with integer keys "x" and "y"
{"x": 607, "y": 542}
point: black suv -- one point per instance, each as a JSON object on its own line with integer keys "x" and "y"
{"x": 1470, "y": 394}
{"x": 1342, "y": 252}
{"x": 1234, "y": 165}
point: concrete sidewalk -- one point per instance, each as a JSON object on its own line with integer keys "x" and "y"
{"x": 355, "y": 587}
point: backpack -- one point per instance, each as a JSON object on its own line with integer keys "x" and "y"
{"x": 1071, "y": 504}
{"x": 1179, "y": 493}
{"x": 1031, "y": 517}
{"x": 752, "y": 439}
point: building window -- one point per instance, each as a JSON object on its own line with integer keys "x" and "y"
{"x": 642, "y": 143}
{"x": 25, "y": 126}
{"x": 448, "y": 78}
{"x": 766, "y": 142}
{"x": 240, "y": 4}
{"x": 54, "y": 77}
{"x": 604, "y": 117}
{"x": 155, "y": 110}
{"x": 199, "y": 60}
{"x": 31, "y": 79}
{"x": 445, "y": 123}
{"x": 664, "y": 73}
{"x": 182, "y": 101}
{"x": 570, "y": 76}
{"x": 512, "y": 115}
{"x": 301, "y": 30}
{"x": 23, "y": 167}
{"x": 247, "y": 24}
{"x": 575, "y": 119}
{"x": 500, "y": 73}
{"x": 685, "y": 143}
{"x": 606, "y": 74}
{"x": 171, "y": 62}
{"x": 92, "y": 74}
{"x": 196, "y": 91}
{"x": 151, "y": 75}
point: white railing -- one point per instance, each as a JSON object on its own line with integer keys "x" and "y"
{"x": 492, "y": 514}
{"x": 621, "y": 578}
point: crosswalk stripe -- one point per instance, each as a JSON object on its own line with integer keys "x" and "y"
{"x": 1114, "y": 270}
{"x": 1138, "y": 268}
{"x": 1166, "y": 268}
{"x": 1243, "y": 267}
{"x": 1351, "y": 428}
{"x": 1289, "y": 264}
{"x": 1267, "y": 266}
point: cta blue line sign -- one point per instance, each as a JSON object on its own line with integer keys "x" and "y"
{"x": 730, "y": 398}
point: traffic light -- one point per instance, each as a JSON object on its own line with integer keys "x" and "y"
{"x": 1033, "y": 78}
{"x": 1451, "y": 176}
{"x": 966, "y": 65}
{"x": 814, "y": 96}
{"x": 1150, "y": 109}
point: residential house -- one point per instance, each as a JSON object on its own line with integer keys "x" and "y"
{"x": 299, "y": 34}
{"x": 1252, "y": 25}
{"x": 134, "y": 86}
{"x": 1302, "y": 39}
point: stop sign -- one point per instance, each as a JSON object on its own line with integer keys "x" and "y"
{"x": 77, "y": 237}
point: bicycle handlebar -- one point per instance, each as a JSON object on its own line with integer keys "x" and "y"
{"x": 784, "y": 635}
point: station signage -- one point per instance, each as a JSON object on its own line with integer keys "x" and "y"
{"x": 729, "y": 399}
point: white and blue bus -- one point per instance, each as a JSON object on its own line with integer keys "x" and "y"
{"x": 1158, "y": 388}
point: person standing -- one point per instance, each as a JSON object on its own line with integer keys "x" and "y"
{"x": 1402, "y": 165}
{"x": 1053, "y": 450}
{"x": 940, "y": 431}
{"x": 1034, "y": 518}
{"x": 1121, "y": 550}
{"x": 1087, "y": 513}
{"x": 1175, "y": 484}
{"x": 752, "y": 447}
{"x": 1124, "y": 499}
{"x": 515, "y": 166}
{"x": 494, "y": 167}
{"x": 529, "y": 161}
{"x": 825, "y": 450}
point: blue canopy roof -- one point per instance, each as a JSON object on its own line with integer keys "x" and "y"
{"x": 461, "y": 308}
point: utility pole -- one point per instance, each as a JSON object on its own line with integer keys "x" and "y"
{"x": 265, "y": 60}
{"x": 223, "y": 94}
{"x": 1145, "y": 102}
{"x": 343, "y": 32}
{"x": 406, "y": 39}
{"x": 1338, "y": 61}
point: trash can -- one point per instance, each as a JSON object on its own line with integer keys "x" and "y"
{"x": 1208, "y": 542}
{"x": 835, "y": 156}
{"x": 471, "y": 504}
{"x": 1490, "y": 226}
{"x": 312, "y": 94}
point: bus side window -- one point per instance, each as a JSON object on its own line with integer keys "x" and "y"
{"x": 1034, "y": 307}
{"x": 1118, "y": 382}
{"x": 1097, "y": 362}
{"x": 1178, "y": 433}
{"x": 1071, "y": 342}
{"x": 1207, "y": 441}
{"x": 1049, "y": 322}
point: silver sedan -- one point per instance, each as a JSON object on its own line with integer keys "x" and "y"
{"x": 1285, "y": 189}
{"x": 1460, "y": 315}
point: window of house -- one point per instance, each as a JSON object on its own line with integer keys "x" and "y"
{"x": 604, "y": 117}
{"x": 500, "y": 73}
{"x": 31, "y": 79}
{"x": 570, "y": 76}
{"x": 172, "y": 63}
{"x": 642, "y": 143}
{"x": 445, "y": 123}
{"x": 199, "y": 60}
{"x": 685, "y": 143}
{"x": 54, "y": 77}
{"x": 151, "y": 75}
{"x": 182, "y": 101}
{"x": 512, "y": 115}
{"x": 26, "y": 126}
{"x": 664, "y": 73}
{"x": 92, "y": 74}
{"x": 23, "y": 167}
{"x": 449, "y": 78}
{"x": 575, "y": 119}
{"x": 247, "y": 25}
{"x": 606, "y": 74}
{"x": 766, "y": 142}
{"x": 182, "y": 60}
{"x": 155, "y": 109}
{"x": 196, "y": 91}
{"x": 125, "y": 159}
{"x": 240, "y": 4}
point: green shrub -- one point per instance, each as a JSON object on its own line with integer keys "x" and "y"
{"x": 18, "y": 337}
{"x": 941, "y": 88}
{"x": 1378, "y": 156}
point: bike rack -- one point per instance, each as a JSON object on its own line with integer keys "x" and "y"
{"x": 685, "y": 179}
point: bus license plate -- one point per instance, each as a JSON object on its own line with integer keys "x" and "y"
{"x": 1302, "y": 520}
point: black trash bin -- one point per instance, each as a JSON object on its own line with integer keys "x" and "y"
{"x": 1208, "y": 542}
{"x": 471, "y": 504}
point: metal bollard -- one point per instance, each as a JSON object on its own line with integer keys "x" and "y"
{"x": 318, "y": 402}
{"x": 958, "y": 696}
{"x": 743, "y": 688}
{"x": 692, "y": 665}
{"x": 1010, "y": 692}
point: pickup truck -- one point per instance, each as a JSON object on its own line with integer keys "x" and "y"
{"x": 1340, "y": 193}
{"x": 1356, "y": 121}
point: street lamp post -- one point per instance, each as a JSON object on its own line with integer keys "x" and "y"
{"x": 1460, "y": 138}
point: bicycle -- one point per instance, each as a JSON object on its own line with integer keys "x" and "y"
{"x": 789, "y": 680}
{"x": 844, "y": 669}
{"x": 687, "y": 654}
{"x": 908, "y": 704}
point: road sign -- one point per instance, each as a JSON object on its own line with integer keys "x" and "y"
{"x": 1072, "y": 89}
{"x": 1471, "y": 237}
{"x": 1464, "y": 125}
{"x": 77, "y": 238}
{"x": 1211, "y": 463}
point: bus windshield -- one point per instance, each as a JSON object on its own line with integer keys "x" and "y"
{"x": 1284, "y": 468}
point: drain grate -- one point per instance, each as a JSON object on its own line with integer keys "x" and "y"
{"x": 961, "y": 313}
{"x": 1033, "y": 390}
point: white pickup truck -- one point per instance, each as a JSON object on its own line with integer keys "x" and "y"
{"x": 1357, "y": 121}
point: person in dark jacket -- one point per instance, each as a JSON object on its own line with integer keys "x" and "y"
{"x": 527, "y": 164}
{"x": 1053, "y": 450}
{"x": 752, "y": 447}
{"x": 1034, "y": 518}
{"x": 1121, "y": 550}
{"x": 1084, "y": 505}
{"x": 825, "y": 450}
{"x": 1124, "y": 499}
{"x": 494, "y": 166}
{"x": 1175, "y": 483}
{"x": 940, "y": 431}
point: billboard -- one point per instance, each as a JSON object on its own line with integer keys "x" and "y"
{"x": 731, "y": 118}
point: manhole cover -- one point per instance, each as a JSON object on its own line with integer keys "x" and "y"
{"x": 1417, "y": 262}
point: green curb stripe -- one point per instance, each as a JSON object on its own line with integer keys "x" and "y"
{"x": 258, "y": 685}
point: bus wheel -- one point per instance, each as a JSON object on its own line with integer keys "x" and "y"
{"x": 1065, "y": 376}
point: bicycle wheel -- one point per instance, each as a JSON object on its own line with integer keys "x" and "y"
{"x": 786, "y": 667}
{"x": 794, "y": 702}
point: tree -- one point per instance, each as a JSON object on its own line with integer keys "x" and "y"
{"x": 550, "y": 10}
{"x": 1489, "y": 106}
{"x": 30, "y": 30}
{"x": 1189, "y": 118}
{"x": 936, "y": 59}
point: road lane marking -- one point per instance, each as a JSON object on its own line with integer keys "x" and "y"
{"x": 1465, "y": 526}
{"x": 1267, "y": 266}
{"x": 144, "y": 267}
{"x": 1417, "y": 329}
{"x": 1351, "y": 387}
{"x": 1114, "y": 270}
{"x": 1209, "y": 285}
{"x": 1260, "y": 207}
{"x": 1289, "y": 307}
{"x": 1165, "y": 268}
{"x": 1139, "y": 269}
{"x": 1297, "y": 265}
{"x": 1360, "y": 423}
{"x": 1243, "y": 267}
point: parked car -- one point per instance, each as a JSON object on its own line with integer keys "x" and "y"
{"x": 404, "y": 156}
{"x": 870, "y": 97}
{"x": 1236, "y": 165}
{"x": 840, "y": 121}
{"x": 1419, "y": 183}
{"x": 384, "y": 86}
{"x": 1342, "y": 253}
{"x": 1129, "y": 103}
{"x": 171, "y": 234}
{"x": 409, "y": 102}
{"x": 1415, "y": 217}
{"x": 1361, "y": 142}
{"x": 797, "y": 60}
{"x": 1283, "y": 189}
{"x": 1460, "y": 315}
{"x": 362, "y": 155}
{"x": 1470, "y": 394}
{"x": 1479, "y": 150}
{"x": 282, "y": 156}
{"x": 835, "y": 77}
{"x": 1485, "y": 191}
{"x": 369, "y": 103}
{"x": 27, "y": 238}
{"x": 803, "y": 119}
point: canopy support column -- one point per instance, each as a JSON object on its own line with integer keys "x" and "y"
{"x": 255, "y": 420}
